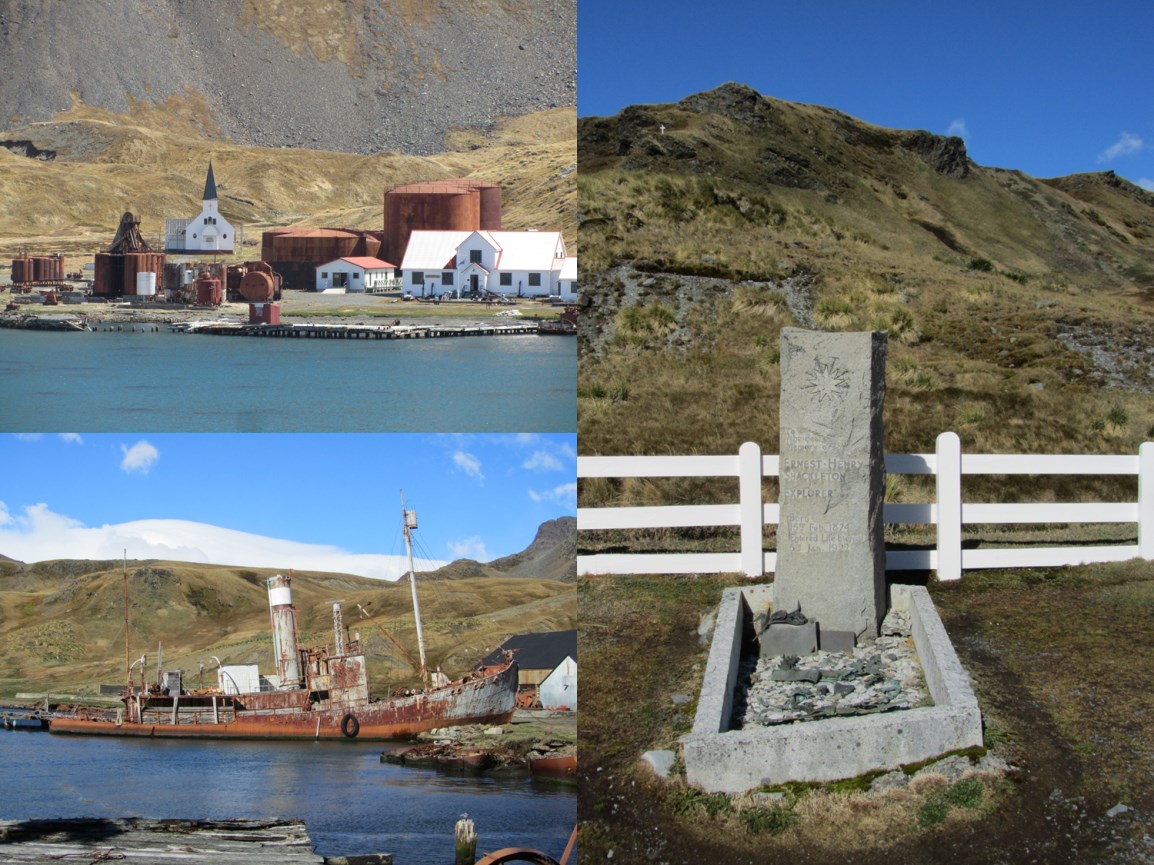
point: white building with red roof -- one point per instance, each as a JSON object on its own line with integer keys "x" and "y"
{"x": 480, "y": 263}
{"x": 357, "y": 273}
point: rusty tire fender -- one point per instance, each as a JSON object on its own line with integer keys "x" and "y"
{"x": 350, "y": 726}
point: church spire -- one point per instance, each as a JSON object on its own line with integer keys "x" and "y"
{"x": 209, "y": 185}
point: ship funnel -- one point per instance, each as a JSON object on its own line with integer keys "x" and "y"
{"x": 338, "y": 631}
{"x": 284, "y": 631}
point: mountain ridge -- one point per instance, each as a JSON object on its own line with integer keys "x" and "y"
{"x": 62, "y": 622}
{"x": 709, "y": 223}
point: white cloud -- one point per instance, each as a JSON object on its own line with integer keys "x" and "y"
{"x": 1146, "y": 183}
{"x": 29, "y": 437}
{"x": 542, "y": 461}
{"x": 470, "y": 548}
{"x": 958, "y": 127}
{"x": 565, "y": 495}
{"x": 469, "y": 464}
{"x": 1127, "y": 145}
{"x": 72, "y": 438}
{"x": 39, "y": 534}
{"x": 141, "y": 457}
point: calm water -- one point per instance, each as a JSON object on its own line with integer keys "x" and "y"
{"x": 166, "y": 382}
{"x": 350, "y": 801}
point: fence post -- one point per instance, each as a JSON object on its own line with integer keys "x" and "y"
{"x": 948, "y": 472}
{"x": 752, "y": 509}
{"x": 1146, "y": 500}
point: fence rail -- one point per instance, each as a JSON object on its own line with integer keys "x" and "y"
{"x": 947, "y": 512}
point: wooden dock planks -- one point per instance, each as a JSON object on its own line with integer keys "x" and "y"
{"x": 188, "y": 842}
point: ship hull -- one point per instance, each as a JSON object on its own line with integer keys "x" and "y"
{"x": 488, "y": 699}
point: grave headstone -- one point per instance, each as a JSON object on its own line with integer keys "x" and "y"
{"x": 830, "y": 541}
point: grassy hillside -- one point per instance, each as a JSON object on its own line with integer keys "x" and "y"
{"x": 62, "y": 622}
{"x": 152, "y": 161}
{"x": 1018, "y": 310}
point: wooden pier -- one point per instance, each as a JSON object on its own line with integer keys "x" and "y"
{"x": 192, "y": 842}
{"x": 356, "y": 331}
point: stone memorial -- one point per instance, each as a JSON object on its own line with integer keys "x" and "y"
{"x": 830, "y": 539}
{"x": 828, "y": 596}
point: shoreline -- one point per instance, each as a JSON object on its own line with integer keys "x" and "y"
{"x": 299, "y": 307}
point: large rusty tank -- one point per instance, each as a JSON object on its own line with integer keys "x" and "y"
{"x": 438, "y": 205}
{"x": 295, "y": 252}
{"x": 257, "y": 287}
{"x": 22, "y": 270}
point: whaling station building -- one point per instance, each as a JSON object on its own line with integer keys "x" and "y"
{"x": 479, "y": 263}
{"x": 546, "y": 668}
{"x": 446, "y": 233}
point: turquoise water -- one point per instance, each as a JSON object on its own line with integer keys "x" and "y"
{"x": 167, "y": 382}
{"x": 351, "y": 802}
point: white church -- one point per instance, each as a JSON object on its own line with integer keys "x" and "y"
{"x": 208, "y": 232}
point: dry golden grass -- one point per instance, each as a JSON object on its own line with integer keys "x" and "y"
{"x": 62, "y": 625}
{"x": 152, "y": 161}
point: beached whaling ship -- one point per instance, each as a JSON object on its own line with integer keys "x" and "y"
{"x": 319, "y": 692}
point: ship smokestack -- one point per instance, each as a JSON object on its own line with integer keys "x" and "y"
{"x": 284, "y": 631}
{"x": 338, "y": 631}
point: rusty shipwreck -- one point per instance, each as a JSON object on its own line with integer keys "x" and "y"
{"x": 316, "y": 693}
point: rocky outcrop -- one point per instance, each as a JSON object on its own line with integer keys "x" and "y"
{"x": 357, "y": 77}
{"x": 945, "y": 155}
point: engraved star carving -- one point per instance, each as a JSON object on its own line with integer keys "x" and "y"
{"x": 827, "y": 382}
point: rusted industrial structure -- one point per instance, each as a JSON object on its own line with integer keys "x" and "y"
{"x": 33, "y": 269}
{"x": 294, "y": 253}
{"x": 449, "y": 205}
{"x": 317, "y": 692}
{"x": 439, "y": 205}
{"x": 254, "y": 281}
{"x": 130, "y": 267}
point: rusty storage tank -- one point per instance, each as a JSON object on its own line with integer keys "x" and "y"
{"x": 438, "y": 205}
{"x": 21, "y": 270}
{"x": 208, "y": 291}
{"x": 134, "y": 263}
{"x": 41, "y": 268}
{"x": 257, "y": 287}
{"x": 295, "y": 252}
{"x": 108, "y": 277}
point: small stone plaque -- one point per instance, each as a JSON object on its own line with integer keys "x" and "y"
{"x": 781, "y": 639}
{"x": 836, "y": 641}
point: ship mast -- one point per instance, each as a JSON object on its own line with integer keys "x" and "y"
{"x": 409, "y": 521}
{"x": 127, "y": 663}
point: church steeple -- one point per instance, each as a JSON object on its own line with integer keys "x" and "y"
{"x": 209, "y": 185}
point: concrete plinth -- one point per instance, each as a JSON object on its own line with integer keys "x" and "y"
{"x": 719, "y": 759}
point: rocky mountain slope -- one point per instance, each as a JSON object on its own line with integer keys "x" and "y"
{"x": 358, "y": 76}
{"x": 62, "y": 622}
{"x": 551, "y": 556}
{"x": 708, "y": 224}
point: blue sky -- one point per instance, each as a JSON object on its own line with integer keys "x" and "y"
{"x": 1047, "y": 88}
{"x": 310, "y": 502}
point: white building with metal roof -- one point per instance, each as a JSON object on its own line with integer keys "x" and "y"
{"x": 208, "y": 232}
{"x": 356, "y": 274}
{"x": 480, "y": 263}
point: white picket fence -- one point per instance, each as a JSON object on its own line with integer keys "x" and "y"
{"x": 948, "y": 464}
